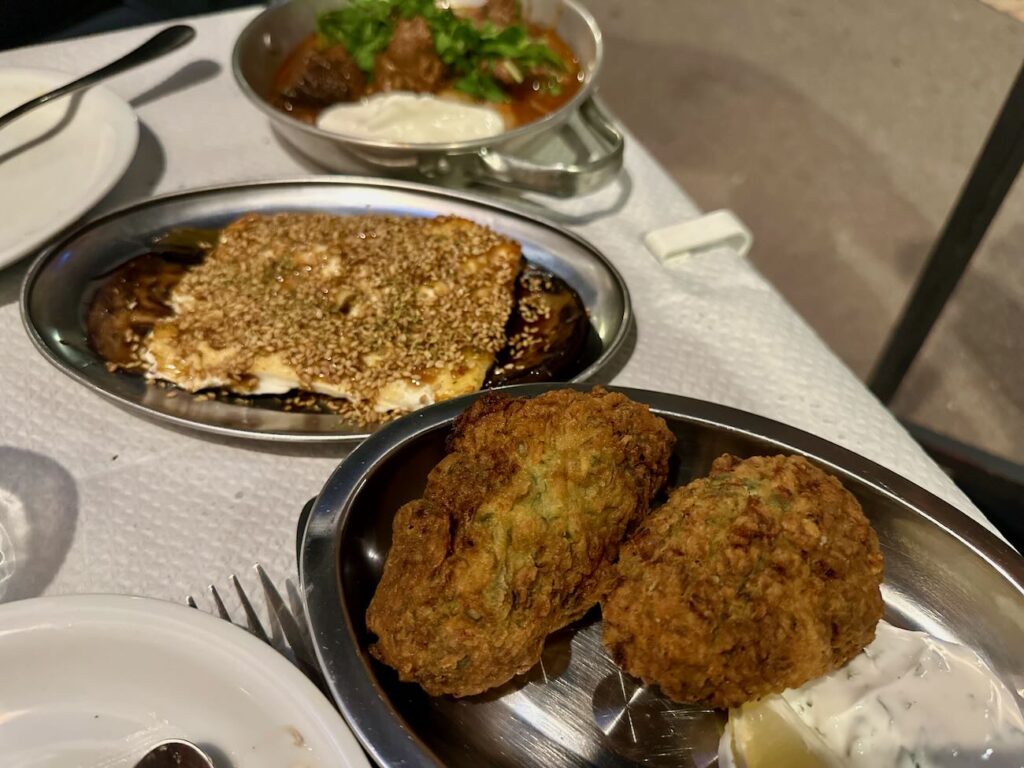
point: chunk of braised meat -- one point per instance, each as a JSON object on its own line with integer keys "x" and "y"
{"x": 503, "y": 13}
{"x": 326, "y": 77}
{"x": 410, "y": 62}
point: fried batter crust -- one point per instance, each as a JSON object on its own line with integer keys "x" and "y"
{"x": 758, "y": 578}
{"x": 514, "y": 534}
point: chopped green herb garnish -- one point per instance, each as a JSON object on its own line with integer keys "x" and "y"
{"x": 471, "y": 52}
{"x": 365, "y": 28}
{"x": 482, "y": 86}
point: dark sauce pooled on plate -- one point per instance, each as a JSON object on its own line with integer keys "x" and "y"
{"x": 136, "y": 294}
{"x": 547, "y": 332}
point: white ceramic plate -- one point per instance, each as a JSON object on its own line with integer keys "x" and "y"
{"x": 59, "y": 160}
{"x": 94, "y": 680}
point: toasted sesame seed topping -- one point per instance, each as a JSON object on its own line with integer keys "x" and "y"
{"x": 350, "y": 303}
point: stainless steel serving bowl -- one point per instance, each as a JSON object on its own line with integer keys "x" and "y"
{"x": 944, "y": 573}
{"x": 503, "y": 160}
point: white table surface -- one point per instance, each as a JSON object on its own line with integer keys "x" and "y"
{"x": 98, "y": 500}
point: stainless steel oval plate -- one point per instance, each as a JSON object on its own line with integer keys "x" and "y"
{"x": 60, "y": 285}
{"x": 944, "y": 573}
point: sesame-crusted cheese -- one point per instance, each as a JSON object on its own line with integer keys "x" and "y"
{"x": 386, "y": 312}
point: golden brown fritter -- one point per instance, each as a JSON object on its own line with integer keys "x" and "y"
{"x": 758, "y": 578}
{"x": 514, "y": 534}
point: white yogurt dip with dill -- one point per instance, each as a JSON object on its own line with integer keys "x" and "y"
{"x": 908, "y": 700}
{"x": 412, "y": 118}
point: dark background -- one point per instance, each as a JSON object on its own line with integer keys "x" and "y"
{"x": 24, "y": 22}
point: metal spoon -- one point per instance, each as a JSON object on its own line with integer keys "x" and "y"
{"x": 175, "y": 753}
{"x": 161, "y": 43}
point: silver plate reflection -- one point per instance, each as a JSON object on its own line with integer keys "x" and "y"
{"x": 944, "y": 573}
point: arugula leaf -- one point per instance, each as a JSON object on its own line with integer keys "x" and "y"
{"x": 469, "y": 51}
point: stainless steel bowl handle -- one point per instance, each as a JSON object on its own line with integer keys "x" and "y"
{"x": 560, "y": 179}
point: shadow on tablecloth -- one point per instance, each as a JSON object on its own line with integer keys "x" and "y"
{"x": 141, "y": 178}
{"x": 192, "y": 74}
{"x": 38, "y": 513}
{"x": 10, "y": 281}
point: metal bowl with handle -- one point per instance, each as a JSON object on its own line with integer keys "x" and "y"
{"x": 944, "y": 574}
{"x": 580, "y": 128}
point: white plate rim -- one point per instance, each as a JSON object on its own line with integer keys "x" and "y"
{"x": 124, "y": 121}
{"x": 67, "y": 610}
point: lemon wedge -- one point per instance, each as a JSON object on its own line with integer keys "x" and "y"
{"x": 769, "y": 734}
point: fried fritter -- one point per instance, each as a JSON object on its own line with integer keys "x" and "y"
{"x": 514, "y": 535}
{"x": 760, "y": 577}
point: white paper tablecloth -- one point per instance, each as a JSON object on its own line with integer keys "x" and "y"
{"x": 98, "y": 500}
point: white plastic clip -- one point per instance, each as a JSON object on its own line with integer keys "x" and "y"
{"x": 708, "y": 231}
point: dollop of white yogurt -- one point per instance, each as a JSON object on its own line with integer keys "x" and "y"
{"x": 910, "y": 699}
{"x": 412, "y": 118}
